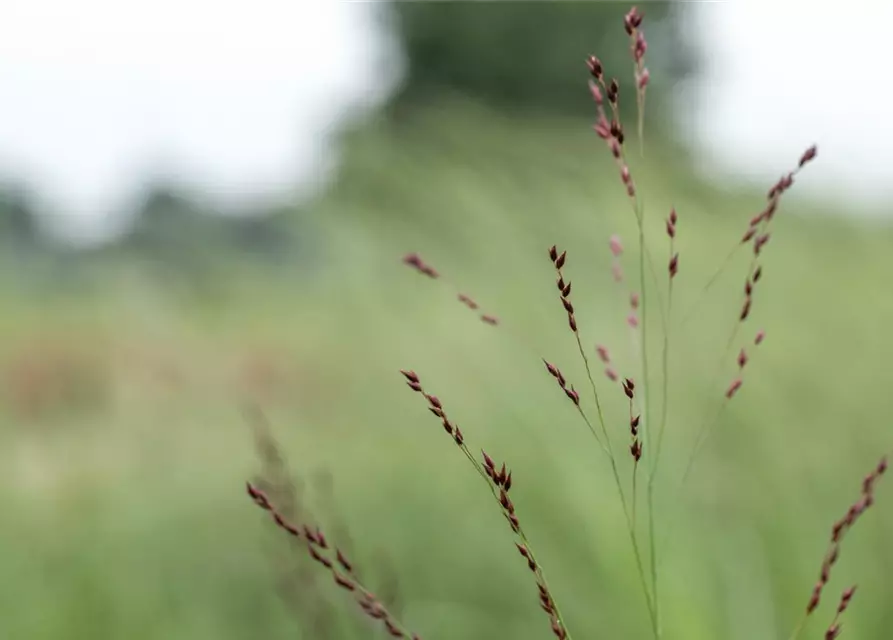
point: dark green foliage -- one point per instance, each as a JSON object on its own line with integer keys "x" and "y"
{"x": 531, "y": 54}
{"x": 176, "y": 230}
{"x": 18, "y": 225}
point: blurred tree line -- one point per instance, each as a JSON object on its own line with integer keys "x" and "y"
{"x": 531, "y": 55}
{"x": 510, "y": 55}
{"x": 174, "y": 234}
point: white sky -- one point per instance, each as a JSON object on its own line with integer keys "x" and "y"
{"x": 236, "y": 97}
{"x": 239, "y": 98}
{"x": 785, "y": 73}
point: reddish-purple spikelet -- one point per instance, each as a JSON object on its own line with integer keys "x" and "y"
{"x": 573, "y": 395}
{"x": 808, "y": 156}
{"x": 564, "y": 288}
{"x": 603, "y": 354}
{"x": 644, "y": 77}
{"x": 596, "y": 93}
{"x": 595, "y": 67}
{"x": 745, "y": 309}
{"x": 617, "y": 272}
{"x": 415, "y": 261}
{"x": 845, "y": 598}
{"x": 635, "y": 447}
{"x": 673, "y": 266}
{"x": 468, "y": 302}
{"x": 613, "y": 92}
{"x": 616, "y": 246}
{"x": 602, "y": 128}
{"x": 734, "y": 387}
{"x": 759, "y": 242}
{"x": 570, "y": 392}
{"x": 628, "y": 388}
{"x": 640, "y": 47}
{"x": 611, "y": 131}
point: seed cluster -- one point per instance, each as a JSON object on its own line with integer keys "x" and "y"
{"x": 435, "y": 407}
{"x": 570, "y": 392}
{"x": 758, "y": 229}
{"x": 605, "y": 356}
{"x": 564, "y": 288}
{"x": 758, "y": 234}
{"x": 616, "y": 252}
{"x": 500, "y": 482}
{"x": 743, "y": 359}
{"x": 301, "y": 586}
{"x": 340, "y": 567}
{"x": 414, "y": 261}
{"x": 611, "y": 131}
{"x": 673, "y": 267}
{"x": 631, "y": 23}
{"x": 617, "y": 270}
{"x": 635, "y": 447}
{"x": 838, "y": 532}
{"x": 834, "y": 628}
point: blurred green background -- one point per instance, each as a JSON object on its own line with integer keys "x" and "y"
{"x": 124, "y": 450}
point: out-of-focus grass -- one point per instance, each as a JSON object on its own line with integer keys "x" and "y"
{"x": 129, "y": 522}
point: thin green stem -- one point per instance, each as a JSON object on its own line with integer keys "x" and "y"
{"x": 665, "y": 381}
{"x": 649, "y": 598}
{"x": 598, "y": 405}
{"x": 646, "y": 430}
{"x": 631, "y": 530}
{"x": 644, "y": 255}
{"x": 660, "y": 437}
{"x": 640, "y": 98}
{"x": 711, "y": 282}
{"x": 798, "y": 630}
{"x": 594, "y": 434}
{"x": 703, "y": 436}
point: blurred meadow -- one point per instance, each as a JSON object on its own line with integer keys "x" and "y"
{"x": 126, "y": 367}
